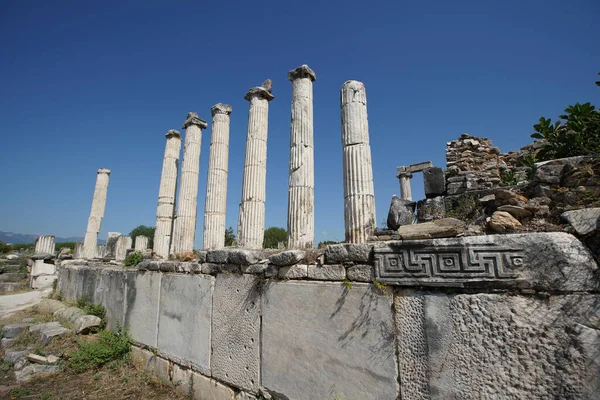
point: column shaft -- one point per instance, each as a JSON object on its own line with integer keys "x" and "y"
{"x": 301, "y": 197}
{"x": 405, "y": 191}
{"x": 216, "y": 184}
{"x": 187, "y": 198}
{"x": 165, "y": 210}
{"x": 251, "y": 222}
{"x": 359, "y": 196}
{"x": 141, "y": 243}
{"x": 96, "y": 214}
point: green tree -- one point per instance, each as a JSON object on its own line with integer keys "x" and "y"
{"x": 143, "y": 230}
{"x": 230, "y": 238}
{"x": 273, "y": 236}
{"x": 69, "y": 245}
{"x": 5, "y": 248}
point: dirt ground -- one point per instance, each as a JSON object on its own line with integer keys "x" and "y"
{"x": 115, "y": 380}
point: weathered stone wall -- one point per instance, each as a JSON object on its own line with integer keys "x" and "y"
{"x": 500, "y": 316}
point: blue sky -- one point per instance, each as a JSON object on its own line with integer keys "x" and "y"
{"x": 87, "y": 85}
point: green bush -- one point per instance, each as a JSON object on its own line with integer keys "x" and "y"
{"x": 143, "y": 230}
{"x": 5, "y": 248}
{"x": 108, "y": 347}
{"x": 133, "y": 259}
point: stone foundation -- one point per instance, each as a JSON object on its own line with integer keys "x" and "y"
{"x": 501, "y": 316}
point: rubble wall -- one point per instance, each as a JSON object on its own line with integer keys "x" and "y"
{"x": 503, "y": 316}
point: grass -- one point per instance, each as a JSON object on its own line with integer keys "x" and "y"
{"x": 108, "y": 347}
{"x": 90, "y": 308}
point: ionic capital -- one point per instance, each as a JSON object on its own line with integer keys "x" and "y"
{"x": 192, "y": 119}
{"x": 220, "y": 108}
{"x": 302, "y": 71}
{"x": 173, "y": 133}
{"x": 104, "y": 171}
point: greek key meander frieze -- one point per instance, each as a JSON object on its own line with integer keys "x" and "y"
{"x": 452, "y": 263}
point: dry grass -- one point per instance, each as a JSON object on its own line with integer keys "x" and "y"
{"x": 115, "y": 380}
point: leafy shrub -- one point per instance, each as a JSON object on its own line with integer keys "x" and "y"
{"x": 133, "y": 259}
{"x": 107, "y": 347}
{"x": 509, "y": 179}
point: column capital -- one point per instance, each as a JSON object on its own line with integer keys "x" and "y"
{"x": 404, "y": 174}
{"x": 263, "y": 91}
{"x": 173, "y": 133}
{"x": 192, "y": 119}
{"x": 220, "y": 108}
{"x": 104, "y": 171}
{"x": 303, "y": 71}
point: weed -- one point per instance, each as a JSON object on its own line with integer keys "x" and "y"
{"x": 93, "y": 309}
{"x": 108, "y": 347}
{"x": 46, "y": 396}
{"x": 348, "y": 283}
{"x": 188, "y": 256}
{"x": 384, "y": 289}
{"x": 509, "y": 179}
{"x": 19, "y": 393}
{"x": 133, "y": 259}
{"x": 5, "y": 367}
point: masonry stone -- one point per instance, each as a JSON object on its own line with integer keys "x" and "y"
{"x": 208, "y": 389}
{"x": 141, "y": 243}
{"x": 142, "y": 302}
{"x": 111, "y": 244}
{"x": 402, "y": 212}
{"x": 434, "y": 182}
{"x": 360, "y": 273}
{"x": 359, "y": 194}
{"x": 185, "y": 317}
{"x": 236, "y": 330}
{"x": 184, "y": 229}
{"x": 96, "y": 214}
{"x": 289, "y": 257}
{"x": 344, "y": 252}
{"x": 251, "y": 219}
{"x": 327, "y": 272}
{"x": 216, "y": 183}
{"x": 584, "y": 221}
{"x": 297, "y": 271}
{"x": 338, "y": 352}
{"x": 123, "y": 244}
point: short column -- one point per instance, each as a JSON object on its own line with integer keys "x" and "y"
{"x": 187, "y": 198}
{"x": 405, "y": 191}
{"x": 215, "y": 206}
{"x": 359, "y": 196}
{"x": 251, "y": 220}
{"x": 123, "y": 244}
{"x": 96, "y": 214}
{"x": 141, "y": 242}
{"x": 44, "y": 245}
{"x": 301, "y": 190}
{"x": 166, "y": 195}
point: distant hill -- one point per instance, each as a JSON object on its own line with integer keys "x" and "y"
{"x": 24, "y": 238}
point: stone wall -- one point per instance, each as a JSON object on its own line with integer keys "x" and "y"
{"x": 504, "y": 316}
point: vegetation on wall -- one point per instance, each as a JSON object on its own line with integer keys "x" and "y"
{"x": 143, "y": 230}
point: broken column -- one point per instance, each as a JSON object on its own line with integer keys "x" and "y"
{"x": 216, "y": 184}
{"x": 97, "y": 213}
{"x": 166, "y": 195}
{"x": 359, "y": 195}
{"x": 251, "y": 222}
{"x": 404, "y": 178}
{"x": 301, "y": 191}
{"x": 141, "y": 242}
{"x": 184, "y": 229}
{"x": 78, "y": 253}
{"x": 123, "y": 244}
{"x": 44, "y": 245}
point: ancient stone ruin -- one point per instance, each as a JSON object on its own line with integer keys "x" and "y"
{"x": 487, "y": 288}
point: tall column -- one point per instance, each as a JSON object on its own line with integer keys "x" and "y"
{"x": 96, "y": 214}
{"x": 301, "y": 190}
{"x": 405, "y": 191}
{"x": 166, "y": 195}
{"x": 251, "y": 222}
{"x": 187, "y": 197}
{"x": 359, "y": 195}
{"x": 216, "y": 184}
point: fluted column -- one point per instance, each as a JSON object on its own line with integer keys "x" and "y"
{"x": 301, "y": 189}
{"x": 44, "y": 245}
{"x": 123, "y": 244}
{"x": 359, "y": 195}
{"x": 96, "y": 214}
{"x": 166, "y": 195}
{"x": 405, "y": 191}
{"x": 216, "y": 184}
{"x": 141, "y": 243}
{"x": 187, "y": 197}
{"x": 251, "y": 221}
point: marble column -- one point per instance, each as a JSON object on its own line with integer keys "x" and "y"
{"x": 251, "y": 221}
{"x": 44, "y": 245}
{"x": 96, "y": 214}
{"x": 359, "y": 195}
{"x": 216, "y": 184}
{"x": 166, "y": 195}
{"x": 405, "y": 192}
{"x": 141, "y": 243}
{"x": 184, "y": 229}
{"x": 123, "y": 244}
{"x": 301, "y": 190}
{"x": 78, "y": 253}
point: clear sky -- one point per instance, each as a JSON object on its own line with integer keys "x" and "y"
{"x": 96, "y": 84}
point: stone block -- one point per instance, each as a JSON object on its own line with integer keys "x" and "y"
{"x": 504, "y": 346}
{"x": 161, "y": 369}
{"x": 43, "y": 281}
{"x": 544, "y": 261}
{"x": 142, "y": 297}
{"x": 434, "y": 182}
{"x": 184, "y": 319}
{"x": 236, "y": 330}
{"x": 44, "y": 326}
{"x": 244, "y": 257}
{"x": 431, "y": 209}
{"x": 142, "y": 358}
{"x": 217, "y": 256}
{"x": 13, "y": 330}
{"x": 360, "y": 273}
{"x": 182, "y": 380}
{"x": 208, "y": 389}
{"x": 6, "y": 343}
{"x": 48, "y": 335}
{"x": 327, "y": 272}
{"x": 41, "y": 268}
{"x": 584, "y": 221}
{"x": 289, "y": 257}
{"x": 111, "y": 293}
{"x": 12, "y": 277}
{"x": 318, "y": 342}
{"x": 84, "y": 324}
{"x": 336, "y": 253}
{"x": 502, "y": 221}
{"x": 445, "y": 227}
{"x": 36, "y": 371}
{"x": 210, "y": 268}
{"x": 50, "y": 306}
{"x": 293, "y": 272}
{"x": 549, "y": 173}
{"x": 401, "y": 212}
{"x": 69, "y": 313}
